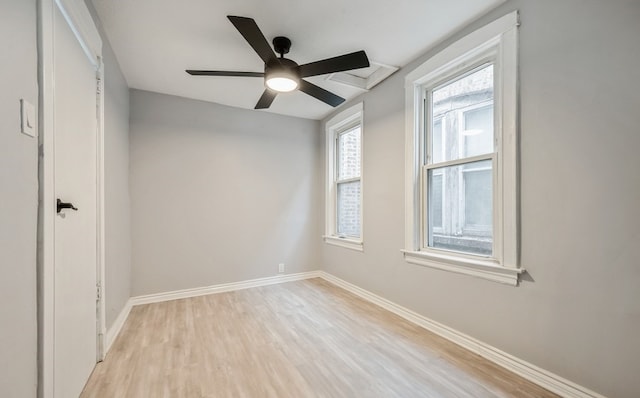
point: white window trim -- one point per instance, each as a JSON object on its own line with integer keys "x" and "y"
{"x": 500, "y": 39}
{"x": 349, "y": 116}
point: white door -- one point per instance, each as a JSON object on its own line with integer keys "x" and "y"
{"x": 75, "y": 125}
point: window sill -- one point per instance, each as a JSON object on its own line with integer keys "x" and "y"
{"x": 352, "y": 244}
{"x": 485, "y": 269}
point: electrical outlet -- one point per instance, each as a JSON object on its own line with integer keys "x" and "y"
{"x": 281, "y": 268}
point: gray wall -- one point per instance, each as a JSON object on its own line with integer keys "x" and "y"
{"x": 578, "y": 314}
{"x": 18, "y": 201}
{"x": 116, "y": 164}
{"x": 219, "y": 194}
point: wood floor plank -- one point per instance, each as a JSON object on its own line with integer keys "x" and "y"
{"x": 299, "y": 339}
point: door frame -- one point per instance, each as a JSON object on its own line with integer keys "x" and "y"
{"x": 79, "y": 19}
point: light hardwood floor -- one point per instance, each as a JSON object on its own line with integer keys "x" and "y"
{"x": 298, "y": 339}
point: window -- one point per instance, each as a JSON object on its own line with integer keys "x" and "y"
{"x": 461, "y": 171}
{"x": 344, "y": 179}
{"x": 459, "y": 162}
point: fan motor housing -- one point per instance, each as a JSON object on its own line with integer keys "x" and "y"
{"x": 283, "y": 64}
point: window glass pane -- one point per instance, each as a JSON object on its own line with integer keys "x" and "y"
{"x": 450, "y": 105}
{"x": 349, "y": 154}
{"x": 477, "y": 198}
{"x": 348, "y": 209}
{"x": 465, "y": 205}
{"x": 437, "y": 145}
{"x": 478, "y": 131}
{"x": 435, "y": 198}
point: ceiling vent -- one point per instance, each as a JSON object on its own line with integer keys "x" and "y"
{"x": 365, "y": 78}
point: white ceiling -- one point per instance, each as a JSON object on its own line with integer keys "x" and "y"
{"x": 156, "y": 40}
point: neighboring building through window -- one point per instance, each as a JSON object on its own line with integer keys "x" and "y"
{"x": 462, "y": 140}
{"x": 344, "y": 179}
{"x": 347, "y": 179}
{"x": 459, "y": 158}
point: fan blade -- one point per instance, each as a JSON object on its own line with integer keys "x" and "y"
{"x": 266, "y": 99}
{"x": 252, "y": 34}
{"x": 318, "y": 92}
{"x": 340, "y": 63}
{"x": 223, "y": 73}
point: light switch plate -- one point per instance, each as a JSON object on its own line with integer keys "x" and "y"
{"x": 28, "y": 118}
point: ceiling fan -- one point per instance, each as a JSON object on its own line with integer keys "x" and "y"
{"x": 282, "y": 74}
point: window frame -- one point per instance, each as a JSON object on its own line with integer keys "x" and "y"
{"x": 341, "y": 123}
{"x": 494, "y": 43}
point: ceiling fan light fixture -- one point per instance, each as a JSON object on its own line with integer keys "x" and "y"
{"x": 282, "y": 74}
{"x": 281, "y": 81}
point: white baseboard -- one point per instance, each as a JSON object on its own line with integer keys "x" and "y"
{"x": 115, "y": 329}
{"x": 225, "y": 287}
{"x": 533, "y": 373}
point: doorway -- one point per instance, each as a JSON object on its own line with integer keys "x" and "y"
{"x": 71, "y": 254}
